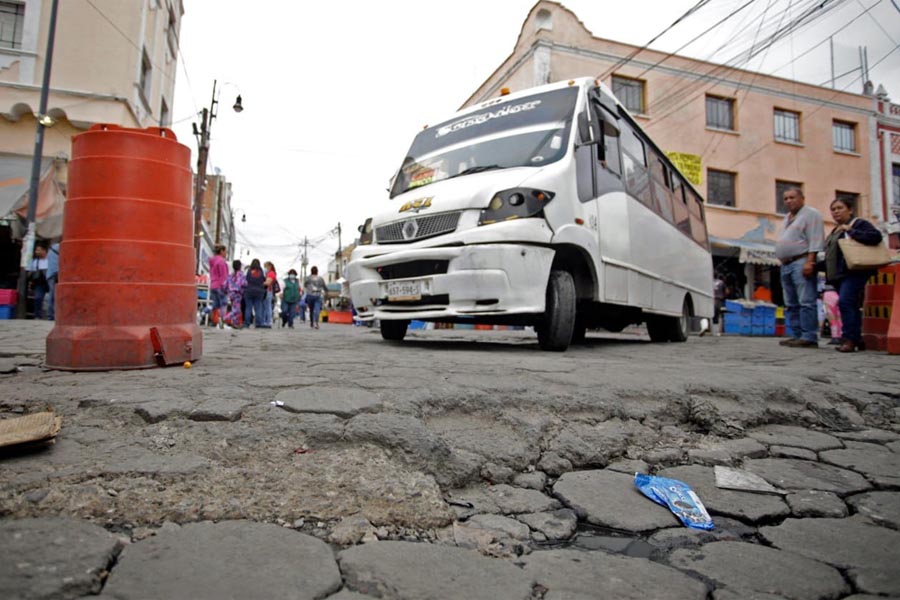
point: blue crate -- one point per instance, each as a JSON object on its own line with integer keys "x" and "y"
{"x": 7, "y": 311}
{"x": 417, "y": 324}
{"x": 769, "y": 328}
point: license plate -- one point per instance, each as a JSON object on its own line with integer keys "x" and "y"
{"x": 404, "y": 290}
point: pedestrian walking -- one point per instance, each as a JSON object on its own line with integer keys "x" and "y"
{"x": 218, "y": 277}
{"x": 801, "y": 238}
{"x": 255, "y": 295}
{"x": 52, "y": 279}
{"x": 37, "y": 278}
{"x": 849, "y": 284}
{"x": 235, "y": 285}
{"x": 315, "y": 289}
{"x": 291, "y": 297}
{"x": 272, "y": 289}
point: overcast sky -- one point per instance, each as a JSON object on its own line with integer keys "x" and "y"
{"x": 335, "y": 91}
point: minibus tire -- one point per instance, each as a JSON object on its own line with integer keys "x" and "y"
{"x": 670, "y": 329}
{"x": 558, "y": 322}
{"x": 394, "y": 331}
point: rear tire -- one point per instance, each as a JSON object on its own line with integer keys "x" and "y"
{"x": 671, "y": 329}
{"x": 558, "y": 322}
{"x": 394, "y": 331}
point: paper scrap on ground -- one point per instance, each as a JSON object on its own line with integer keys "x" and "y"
{"x": 678, "y": 496}
{"x": 745, "y": 481}
{"x": 30, "y": 429}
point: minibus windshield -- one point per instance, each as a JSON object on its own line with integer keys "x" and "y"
{"x": 526, "y": 132}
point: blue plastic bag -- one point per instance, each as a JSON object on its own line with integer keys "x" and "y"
{"x": 678, "y": 496}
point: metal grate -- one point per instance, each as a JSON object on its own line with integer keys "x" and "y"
{"x": 416, "y": 228}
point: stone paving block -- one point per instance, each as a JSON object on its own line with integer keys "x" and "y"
{"x": 556, "y": 525}
{"x": 219, "y": 409}
{"x": 868, "y": 552}
{"x": 629, "y": 466}
{"x": 54, "y": 557}
{"x": 155, "y": 411}
{"x": 509, "y": 527}
{"x": 397, "y": 570}
{"x": 576, "y": 574}
{"x": 791, "y": 452}
{"x": 731, "y": 530}
{"x": 743, "y": 448}
{"x": 504, "y": 499}
{"x": 894, "y": 446}
{"x": 710, "y": 456}
{"x": 746, "y": 568}
{"x": 729, "y": 594}
{"x": 346, "y": 594}
{"x": 791, "y": 474}
{"x": 869, "y": 435}
{"x": 816, "y": 503}
{"x": 881, "y": 507}
{"x": 881, "y": 467}
{"x": 323, "y": 399}
{"x": 230, "y": 559}
{"x": 747, "y": 506}
{"x": 532, "y": 481}
{"x": 798, "y": 437}
{"x": 610, "y": 499}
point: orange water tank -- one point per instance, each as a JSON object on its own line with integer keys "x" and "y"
{"x": 126, "y": 297}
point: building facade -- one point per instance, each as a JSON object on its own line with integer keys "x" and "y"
{"x": 887, "y": 181}
{"x": 740, "y": 137}
{"x": 114, "y": 61}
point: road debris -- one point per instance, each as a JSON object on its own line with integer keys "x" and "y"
{"x": 30, "y": 430}
{"x": 745, "y": 481}
{"x": 678, "y": 496}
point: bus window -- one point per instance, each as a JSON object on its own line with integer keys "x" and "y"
{"x": 609, "y": 170}
{"x": 634, "y": 166}
{"x": 632, "y": 144}
{"x": 679, "y": 208}
{"x": 698, "y": 226}
{"x": 661, "y": 185}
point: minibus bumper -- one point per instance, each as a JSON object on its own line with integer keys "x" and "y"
{"x": 450, "y": 282}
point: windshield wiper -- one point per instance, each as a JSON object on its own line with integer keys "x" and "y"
{"x": 477, "y": 169}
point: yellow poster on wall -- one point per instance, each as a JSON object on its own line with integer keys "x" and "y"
{"x": 690, "y": 166}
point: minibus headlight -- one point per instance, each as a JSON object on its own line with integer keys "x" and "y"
{"x": 365, "y": 232}
{"x": 517, "y": 203}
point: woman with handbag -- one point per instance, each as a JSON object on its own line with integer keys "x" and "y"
{"x": 848, "y": 283}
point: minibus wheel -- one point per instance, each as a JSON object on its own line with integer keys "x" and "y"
{"x": 671, "y": 329}
{"x": 555, "y": 330}
{"x": 394, "y": 331}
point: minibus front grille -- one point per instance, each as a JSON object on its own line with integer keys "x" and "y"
{"x": 413, "y": 268}
{"x": 416, "y": 228}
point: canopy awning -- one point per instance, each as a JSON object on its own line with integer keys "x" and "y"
{"x": 754, "y": 253}
{"x": 15, "y": 181}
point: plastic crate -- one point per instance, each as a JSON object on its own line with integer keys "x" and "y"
{"x": 9, "y": 296}
{"x": 417, "y": 324}
{"x": 7, "y": 311}
{"x": 464, "y": 326}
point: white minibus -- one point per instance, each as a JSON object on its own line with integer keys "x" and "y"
{"x": 548, "y": 207}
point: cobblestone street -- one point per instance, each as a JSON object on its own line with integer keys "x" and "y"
{"x": 457, "y": 464}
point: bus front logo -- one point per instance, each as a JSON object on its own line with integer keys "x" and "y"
{"x": 417, "y": 204}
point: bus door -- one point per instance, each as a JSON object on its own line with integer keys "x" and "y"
{"x": 610, "y": 205}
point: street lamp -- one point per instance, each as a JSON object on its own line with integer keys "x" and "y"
{"x": 202, "y": 155}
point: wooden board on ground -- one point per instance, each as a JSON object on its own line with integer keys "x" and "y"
{"x": 37, "y": 427}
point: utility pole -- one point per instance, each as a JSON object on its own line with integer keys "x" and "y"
{"x": 28, "y": 242}
{"x": 304, "y": 261}
{"x": 339, "y": 253}
{"x": 202, "y": 155}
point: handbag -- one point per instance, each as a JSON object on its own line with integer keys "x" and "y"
{"x": 860, "y": 257}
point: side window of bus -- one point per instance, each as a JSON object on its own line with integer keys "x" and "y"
{"x": 609, "y": 168}
{"x": 680, "y": 207}
{"x": 698, "y": 226}
{"x": 661, "y": 187}
{"x": 634, "y": 166}
{"x": 584, "y": 161}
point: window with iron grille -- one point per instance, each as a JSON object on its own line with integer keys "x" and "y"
{"x": 787, "y": 126}
{"x": 844, "y": 136}
{"x": 720, "y": 187}
{"x": 720, "y": 113}
{"x": 630, "y": 93}
{"x": 780, "y": 188}
{"x": 12, "y": 21}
